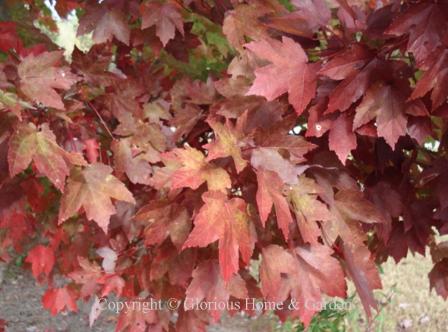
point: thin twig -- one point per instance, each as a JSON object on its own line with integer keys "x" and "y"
{"x": 101, "y": 119}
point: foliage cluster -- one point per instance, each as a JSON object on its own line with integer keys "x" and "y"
{"x": 197, "y": 139}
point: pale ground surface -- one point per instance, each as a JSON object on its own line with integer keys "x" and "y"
{"x": 410, "y": 306}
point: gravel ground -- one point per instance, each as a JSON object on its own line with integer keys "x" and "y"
{"x": 407, "y": 306}
{"x": 20, "y": 306}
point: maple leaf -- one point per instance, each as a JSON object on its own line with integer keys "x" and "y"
{"x": 134, "y": 319}
{"x": 135, "y": 165}
{"x": 9, "y": 38}
{"x": 316, "y": 12}
{"x": 9, "y": 101}
{"x": 342, "y": 139}
{"x": 112, "y": 283}
{"x": 378, "y": 74}
{"x": 383, "y": 103}
{"x": 279, "y": 139}
{"x": 209, "y": 285}
{"x": 364, "y": 273}
{"x": 184, "y": 120}
{"x": 355, "y": 206}
{"x": 351, "y": 88}
{"x": 106, "y": 22}
{"x": 438, "y": 278}
{"x": 244, "y": 21}
{"x": 16, "y": 227}
{"x": 92, "y": 188}
{"x": 165, "y": 16}
{"x": 347, "y": 208}
{"x": 308, "y": 209}
{"x": 310, "y": 16}
{"x": 288, "y": 72}
{"x": 156, "y": 111}
{"x": 269, "y": 193}
{"x": 225, "y": 220}
{"x": 272, "y": 160}
{"x": 58, "y": 299}
{"x": 38, "y": 199}
{"x": 177, "y": 266}
{"x": 305, "y": 274}
{"x": 194, "y": 170}
{"x": 64, "y": 7}
{"x": 420, "y": 129}
{"x": 346, "y": 62}
{"x": 41, "y": 75}
{"x": 191, "y": 320}
{"x": 435, "y": 79}
{"x": 164, "y": 219}
{"x": 124, "y": 101}
{"x": 426, "y": 25}
{"x": 389, "y": 203}
{"x": 87, "y": 276}
{"x": 318, "y": 122}
{"x": 42, "y": 260}
{"x": 228, "y": 143}
{"x": 39, "y": 145}
{"x": 352, "y": 16}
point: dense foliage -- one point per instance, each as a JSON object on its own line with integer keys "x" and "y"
{"x": 223, "y": 150}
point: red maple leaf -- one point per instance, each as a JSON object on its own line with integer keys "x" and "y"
{"x": 59, "y": 299}
{"x": 92, "y": 188}
{"x": 39, "y": 144}
{"x": 193, "y": 170}
{"x": 288, "y": 72}
{"x": 269, "y": 193}
{"x": 42, "y": 74}
{"x": 435, "y": 79}
{"x": 42, "y": 260}
{"x": 342, "y": 139}
{"x": 209, "y": 285}
{"x": 385, "y": 104}
{"x": 106, "y": 20}
{"x": 426, "y": 27}
{"x": 165, "y": 16}
{"x": 225, "y": 220}
{"x": 305, "y": 274}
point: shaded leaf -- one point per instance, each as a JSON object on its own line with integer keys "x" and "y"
{"x": 305, "y": 274}
{"x": 105, "y": 22}
{"x": 209, "y": 285}
{"x": 383, "y": 103}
